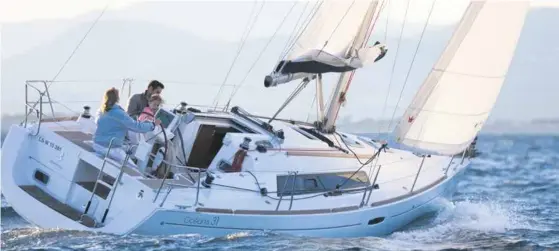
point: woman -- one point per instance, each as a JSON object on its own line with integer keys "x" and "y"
{"x": 153, "y": 105}
{"x": 113, "y": 123}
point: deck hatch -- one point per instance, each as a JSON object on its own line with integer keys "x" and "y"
{"x": 319, "y": 182}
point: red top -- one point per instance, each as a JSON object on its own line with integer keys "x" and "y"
{"x": 147, "y": 115}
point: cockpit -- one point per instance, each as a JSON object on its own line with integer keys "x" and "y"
{"x": 195, "y": 138}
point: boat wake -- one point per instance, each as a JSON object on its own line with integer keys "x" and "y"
{"x": 462, "y": 221}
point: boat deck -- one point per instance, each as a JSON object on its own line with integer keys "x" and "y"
{"x": 155, "y": 184}
{"x": 79, "y": 138}
{"x": 58, "y": 206}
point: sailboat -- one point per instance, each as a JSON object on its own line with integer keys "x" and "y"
{"x": 234, "y": 171}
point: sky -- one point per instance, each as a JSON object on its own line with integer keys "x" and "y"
{"x": 13, "y": 11}
{"x": 21, "y": 11}
{"x": 446, "y": 13}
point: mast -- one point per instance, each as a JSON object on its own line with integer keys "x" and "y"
{"x": 319, "y": 97}
{"x": 338, "y": 97}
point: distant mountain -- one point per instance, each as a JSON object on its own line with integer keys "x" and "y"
{"x": 548, "y": 126}
{"x": 537, "y": 126}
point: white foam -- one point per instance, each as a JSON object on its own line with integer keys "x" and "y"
{"x": 467, "y": 216}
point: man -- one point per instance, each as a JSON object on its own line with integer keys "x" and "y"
{"x": 139, "y": 101}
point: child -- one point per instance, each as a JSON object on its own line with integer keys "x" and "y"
{"x": 149, "y": 112}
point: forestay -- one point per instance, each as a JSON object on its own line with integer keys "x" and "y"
{"x": 456, "y": 98}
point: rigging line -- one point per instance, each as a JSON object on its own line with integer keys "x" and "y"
{"x": 310, "y": 109}
{"x": 334, "y": 31}
{"x": 412, "y": 61}
{"x": 300, "y": 31}
{"x": 296, "y": 29}
{"x": 54, "y": 121}
{"x": 187, "y": 83}
{"x": 243, "y": 38}
{"x": 394, "y": 63}
{"x": 387, "y": 20}
{"x": 84, "y": 81}
{"x": 371, "y": 29}
{"x": 383, "y": 146}
{"x": 236, "y": 88}
{"x": 81, "y": 41}
{"x": 295, "y": 33}
{"x": 248, "y": 29}
{"x": 295, "y": 92}
{"x": 330, "y": 98}
{"x": 73, "y": 52}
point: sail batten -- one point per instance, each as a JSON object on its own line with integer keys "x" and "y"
{"x": 458, "y": 95}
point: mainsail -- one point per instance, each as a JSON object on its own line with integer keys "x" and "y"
{"x": 324, "y": 44}
{"x": 456, "y": 98}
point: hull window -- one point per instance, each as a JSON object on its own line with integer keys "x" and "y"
{"x": 376, "y": 220}
{"x": 41, "y": 177}
{"x": 319, "y": 182}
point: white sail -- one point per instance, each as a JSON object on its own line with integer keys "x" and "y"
{"x": 456, "y": 98}
{"x": 331, "y": 32}
{"x": 324, "y": 44}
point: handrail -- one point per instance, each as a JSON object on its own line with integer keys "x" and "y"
{"x": 179, "y": 166}
{"x": 28, "y": 112}
{"x": 40, "y": 116}
{"x": 292, "y": 190}
{"x": 117, "y": 181}
{"x": 463, "y": 157}
{"x": 284, "y": 185}
{"x": 373, "y": 185}
{"x": 197, "y": 189}
{"x": 98, "y": 177}
{"x": 167, "y": 169}
{"x": 449, "y": 164}
{"x": 41, "y": 95}
{"x": 46, "y": 93}
{"x": 166, "y": 195}
{"x": 417, "y": 175}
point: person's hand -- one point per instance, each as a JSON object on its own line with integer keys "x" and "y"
{"x": 157, "y": 122}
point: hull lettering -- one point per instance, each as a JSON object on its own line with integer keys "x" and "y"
{"x": 213, "y": 221}
{"x": 49, "y": 143}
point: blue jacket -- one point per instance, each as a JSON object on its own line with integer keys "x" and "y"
{"x": 115, "y": 123}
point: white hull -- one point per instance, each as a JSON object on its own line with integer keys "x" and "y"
{"x": 213, "y": 211}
